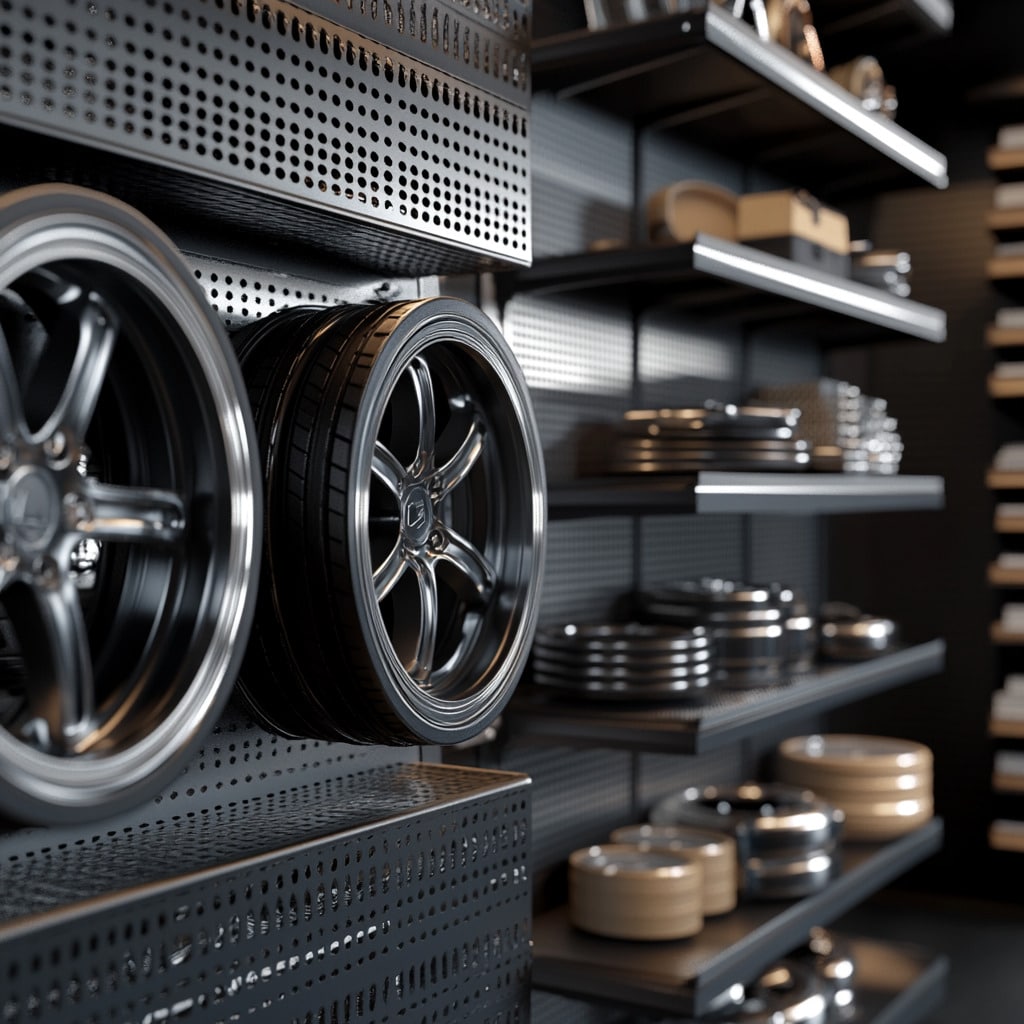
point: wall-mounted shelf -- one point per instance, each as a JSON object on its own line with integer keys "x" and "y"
{"x": 999, "y": 634}
{"x": 683, "y": 977}
{"x": 896, "y": 983}
{"x": 1004, "y": 480}
{"x": 731, "y": 281}
{"x": 1004, "y": 337}
{"x": 1005, "y": 387}
{"x": 1005, "y": 224}
{"x": 710, "y": 76}
{"x": 1001, "y": 577}
{"x": 1007, "y": 836}
{"x": 1005, "y": 783}
{"x": 710, "y": 493}
{"x": 1007, "y": 163}
{"x": 1005, "y": 729}
{"x": 534, "y": 716}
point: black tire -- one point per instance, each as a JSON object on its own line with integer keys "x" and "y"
{"x": 461, "y": 519}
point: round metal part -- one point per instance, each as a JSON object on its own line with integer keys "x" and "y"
{"x": 130, "y": 507}
{"x": 405, "y": 522}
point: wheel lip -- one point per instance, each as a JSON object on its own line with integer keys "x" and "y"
{"x": 37, "y": 220}
{"x": 435, "y": 720}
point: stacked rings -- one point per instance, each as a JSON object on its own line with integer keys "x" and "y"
{"x": 786, "y": 837}
{"x": 625, "y": 892}
{"x": 883, "y": 785}
{"x": 627, "y": 661}
{"x": 715, "y": 850}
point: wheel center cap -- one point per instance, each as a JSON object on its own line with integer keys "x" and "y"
{"x": 417, "y": 515}
{"x": 32, "y": 509}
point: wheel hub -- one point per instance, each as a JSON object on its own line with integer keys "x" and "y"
{"x": 32, "y": 510}
{"x": 417, "y": 516}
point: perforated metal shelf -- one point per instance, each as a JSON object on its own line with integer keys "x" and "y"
{"x": 396, "y": 132}
{"x": 737, "y": 283}
{"x": 683, "y": 977}
{"x": 739, "y": 493}
{"x": 710, "y": 75}
{"x": 399, "y": 891}
{"x": 535, "y": 716}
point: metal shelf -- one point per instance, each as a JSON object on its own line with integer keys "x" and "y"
{"x": 683, "y": 977}
{"x": 220, "y": 912}
{"x": 695, "y": 728}
{"x": 711, "y": 76}
{"x": 729, "y": 280}
{"x": 711, "y": 493}
{"x": 896, "y": 983}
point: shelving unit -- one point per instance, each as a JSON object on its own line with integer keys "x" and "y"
{"x": 708, "y": 74}
{"x": 734, "y": 282}
{"x": 684, "y": 977}
{"x": 696, "y": 727}
{"x": 712, "y": 493}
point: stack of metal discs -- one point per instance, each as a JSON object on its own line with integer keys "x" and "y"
{"x": 834, "y": 964}
{"x": 625, "y": 892}
{"x": 788, "y": 992}
{"x": 847, "y": 634}
{"x": 626, "y": 661}
{"x": 883, "y": 785}
{"x": 716, "y": 851}
{"x": 687, "y": 440}
{"x": 847, "y": 431}
{"x": 786, "y": 838}
{"x": 759, "y": 631}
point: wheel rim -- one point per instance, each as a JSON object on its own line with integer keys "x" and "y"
{"x": 128, "y": 503}
{"x": 447, "y": 522}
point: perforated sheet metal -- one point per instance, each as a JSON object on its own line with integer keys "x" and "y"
{"x": 301, "y": 108}
{"x": 589, "y": 566}
{"x": 688, "y": 547}
{"x": 578, "y": 361}
{"x": 781, "y": 358}
{"x": 682, "y": 362}
{"x": 578, "y": 797}
{"x": 787, "y": 549}
{"x": 658, "y": 775}
{"x": 548, "y": 1008}
{"x": 397, "y": 893}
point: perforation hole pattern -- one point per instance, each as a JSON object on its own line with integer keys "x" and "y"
{"x": 425, "y": 918}
{"x": 271, "y": 98}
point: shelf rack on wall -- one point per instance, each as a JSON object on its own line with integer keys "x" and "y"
{"x": 733, "y": 282}
{"x": 726, "y": 717}
{"x": 708, "y": 74}
{"x": 684, "y": 977}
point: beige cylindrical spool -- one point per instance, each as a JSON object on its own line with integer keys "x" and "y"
{"x": 622, "y": 891}
{"x": 849, "y": 755}
{"x": 839, "y": 788}
{"x": 716, "y": 850}
{"x": 681, "y": 211}
{"x": 888, "y": 824}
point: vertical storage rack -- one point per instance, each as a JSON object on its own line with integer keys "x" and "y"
{"x": 314, "y": 154}
{"x": 617, "y": 114}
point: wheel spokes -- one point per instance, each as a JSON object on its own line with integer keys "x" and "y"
{"x": 147, "y": 515}
{"x": 387, "y": 469}
{"x": 61, "y": 700}
{"x": 423, "y": 659}
{"x": 12, "y": 414}
{"x": 425, "y": 414}
{"x": 390, "y": 571}
{"x": 471, "y": 564}
{"x": 457, "y": 468}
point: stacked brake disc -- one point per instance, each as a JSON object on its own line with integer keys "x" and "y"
{"x": 688, "y": 440}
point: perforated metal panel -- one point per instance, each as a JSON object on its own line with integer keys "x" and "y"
{"x": 688, "y": 547}
{"x": 401, "y": 892}
{"x": 327, "y": 110}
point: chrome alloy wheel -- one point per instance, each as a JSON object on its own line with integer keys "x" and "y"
{"x": 129, "y": 512}
{"x": 405, "y": 522}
